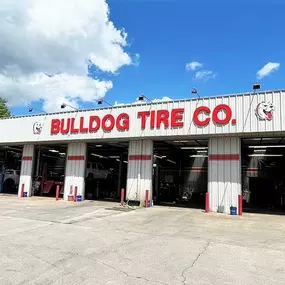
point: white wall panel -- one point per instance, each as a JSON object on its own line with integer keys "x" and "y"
{"x": 140, "y": 166}
{"x": 75, "y": 169}
{"x": 27, "y": 169}
{"x": 224, "y": 173}
{"x": 243, "y": 111}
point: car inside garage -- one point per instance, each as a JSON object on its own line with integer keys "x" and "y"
{"x": 106, "y": 170}
{"x": 180, "y": 172}
{"x": 49, "y": 170}
{"x": 263, "y": 169}
{"x": 10, "y": 168}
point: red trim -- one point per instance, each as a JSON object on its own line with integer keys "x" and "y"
{"x": 224, "y": 157}
{"x": 27, "y": 158}
{"x": 76, "y": 157}
{"x": 252, "y": 169}
{"x": 140, "y": 157}
{"x": 199, "y": 169}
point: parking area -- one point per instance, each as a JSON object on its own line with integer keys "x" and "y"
{"x": 48, "y": 242}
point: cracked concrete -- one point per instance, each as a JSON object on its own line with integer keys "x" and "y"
{"x": 59, "y": 243}
{"x": 193, "y": 263}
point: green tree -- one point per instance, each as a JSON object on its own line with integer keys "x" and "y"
{"x": 4, "y": 111}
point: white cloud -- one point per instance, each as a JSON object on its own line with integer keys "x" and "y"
{"x": 192, "y": 66}
{"x": 267, "y": 69}
{"x": 60, "y": 38}
{"x": 163, "y": 99}
{"x": 205, "y": 75}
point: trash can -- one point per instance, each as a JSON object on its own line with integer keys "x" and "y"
{"x": 233, "y": 211}
{"x": 79, "y": 198}
{"x": 25, "y": 194}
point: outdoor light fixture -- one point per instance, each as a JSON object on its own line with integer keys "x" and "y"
{"x": 53, "y": 150}
{"x": 63, "y": 106}
{"x": 143, "y": 98}
{"x": 256, "y": 86}
{"x": 32, "y": 109}
{"x": 101, "y": 101}
{"x": 195, "y": 91}
{"x": 125, "y": 161}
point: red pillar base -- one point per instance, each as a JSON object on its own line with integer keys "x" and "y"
{"x": 207, "y": 202}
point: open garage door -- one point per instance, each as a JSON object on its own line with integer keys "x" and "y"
{"x": 49, "y": 170}
{"x": 263, "y": 169}
{"x": 180, "y": 172}
{"x": 106, "y": 171}
{"x": 10, "y": 168}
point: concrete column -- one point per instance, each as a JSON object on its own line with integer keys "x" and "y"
{"x": 140, "y": 163}
{"x": 224, "y": 173}
{"x": 27, "y": 164}
{"x": 75, "y": 170}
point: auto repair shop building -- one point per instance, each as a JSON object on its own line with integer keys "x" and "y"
{"x": 230, "y": 125}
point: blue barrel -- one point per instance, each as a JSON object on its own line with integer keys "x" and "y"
{"x": 233, "y": 211}
{"x": 79, "y": 198}
{"x": 25, "y": 194}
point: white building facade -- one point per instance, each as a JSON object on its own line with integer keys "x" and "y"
{"x": 223, "y": 120}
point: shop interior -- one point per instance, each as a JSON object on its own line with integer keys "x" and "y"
{"x": 49, "y": 170}
{"x": 263, "y": 179}
{"x": 180, "y": 173}
{"x": 106, "y": 171}
{"x": 10, "y": 168}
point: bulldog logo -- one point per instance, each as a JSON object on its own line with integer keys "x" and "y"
{"x": 265, "y": 110}
{"x": 37, "y": 128}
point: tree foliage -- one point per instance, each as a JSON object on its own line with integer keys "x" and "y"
{"x": 4, "y": 111}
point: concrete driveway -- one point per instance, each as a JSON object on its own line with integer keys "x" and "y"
{"x": 47, "y": 242}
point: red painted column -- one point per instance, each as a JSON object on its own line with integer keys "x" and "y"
{"x": 207, "y": 202}
{"x": 75, "y": 194}
{"x": 122, "y": 196}
{"x": 240, "y": 205}
{"x": 146, "y": 198}
{"x": 57, "y": 193}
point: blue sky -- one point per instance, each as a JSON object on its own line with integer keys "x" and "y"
{"x": 233, "y": 41}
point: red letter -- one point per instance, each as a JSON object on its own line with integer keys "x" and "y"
{"x": 177, "y": 118}
{"x": 65, "y": 131}
{"x": 125, "y": 124}
{"x": 197, "y": 113}
{"x": 143, "y": 115}
{"x": 81, "y": 126}
{"x": 55, "y": 126}
{"x": 152, "y": 119}
{"x": 93, "y": 119}
{"x": 73, "y": 129}
{"x": 162, "y": 116}
{"x": 228, "y": 113}
{"x": 106, "y": 118}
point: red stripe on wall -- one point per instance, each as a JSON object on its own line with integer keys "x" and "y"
{"x": 224, "y": 157}
{"x": 27, "y": 158}
{"x": 76, "y": 157}
{"x": 140, "y": 157}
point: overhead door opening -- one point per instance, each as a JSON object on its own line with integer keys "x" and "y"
{"x": 263, "y": 179}
{"x": 106, "y": 170}
{"x": 10, "y": 168}
{"x": 180, "y": 173}
{"x": 49, "y": 170}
